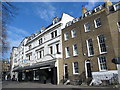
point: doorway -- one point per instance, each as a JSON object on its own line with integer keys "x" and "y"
{"x": 88, "y": 69}
{"x": 65, "y": 71}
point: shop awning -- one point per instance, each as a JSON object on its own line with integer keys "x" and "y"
{"x": 35, "y": 66}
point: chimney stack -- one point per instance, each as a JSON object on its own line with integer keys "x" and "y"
{"x": 108, "y": 3}
{"x": 42, "y": 28}
{"x": 84, "y": 10}
{"x": 55, "y": 20}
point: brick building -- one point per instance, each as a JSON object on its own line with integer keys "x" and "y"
{"x": 90, "y": 42}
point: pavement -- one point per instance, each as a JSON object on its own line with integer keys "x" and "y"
{"x": 15, "y": 84}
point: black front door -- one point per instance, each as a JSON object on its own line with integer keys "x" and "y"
{"x": 89, "y": 72}
{"x": 66, "y": 71}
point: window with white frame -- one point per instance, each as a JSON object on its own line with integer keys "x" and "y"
{"x": 40, "y": 54}
{"x": 51, "y": 49}
{"x": 30, "y": 46}
{"x": 55, "y": 20}
{"x": 40, "y": 41}
{"x": 73, "y": 33}
{"x": 67, "y": 52}
{"x": 87, "y": 27}
{"x": 29, "y": 56}
{"x": 116, "y": 6}
{"x": 101, "y": 44}
{"x": 90, "y": 47}
{"x": 75, "y": 50}
{"x": 57, "y": 48}
{"x": 87, "y": 14}
{"x": 66, "y": 36}
{"x": 97, "y": 22}
{"x": 102, "y": 63}
{"x": 118, "y": 26}
{"x": 75, "y": 68}
{"x": 54, "y": 34}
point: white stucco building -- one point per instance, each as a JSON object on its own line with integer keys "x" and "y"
{"x": 39, "y": 55}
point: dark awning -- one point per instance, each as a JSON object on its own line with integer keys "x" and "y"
{"x": 116, "y": 60}
{"x": 35, "y": 66}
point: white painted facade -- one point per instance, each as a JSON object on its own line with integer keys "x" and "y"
{"x": 14, "y": 61}
{"x": 18, "y": 54}
{"x": 28, "y": 52}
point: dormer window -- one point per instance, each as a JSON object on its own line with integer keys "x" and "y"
{"x": 98, "y": 8}
{"x": 42, "y": 28}
{"x": 87, "y": 14}
{"x": 37, "y": 32}
{"x": 75, "y": 20}
{"x": 32, "y": 36}
{"x": 55, "y": 20}
{"x": 116, "y": 6}
{"x": 69, "y": 23}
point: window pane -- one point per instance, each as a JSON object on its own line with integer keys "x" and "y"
{"x": 75, "y": 50}
{"x": 102, "y": 62}
{"x": 76, "y": 67}
{"x": 67, "y": 52}
{"x": 102, "y": 43}
{"x": 40, "y": 54}
{"x": 51, "y": 50}
{"x": 73, "y": 33}
{"x": 40, "y": 41}
{"x": 56, "y": 33}
{"x": 52, "y": 35}
{"x": 90, "y": 47}
{"x": 98, "y": 22}
{"x": 57, "y": 48}
{"x": 66, "y": 36}
{"x": 87, "y": 27}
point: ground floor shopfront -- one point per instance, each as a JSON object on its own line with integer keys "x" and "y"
{"x": 43, "y": 72}
{"x": 48, "y": 75}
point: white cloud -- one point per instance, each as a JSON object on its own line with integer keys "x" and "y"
{"x": 16, "y": 35}
{"x": 46, "y": 11}
{"x": 91, "y": 4}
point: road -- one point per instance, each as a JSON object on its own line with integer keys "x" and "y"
{"x": 14, "y": 84}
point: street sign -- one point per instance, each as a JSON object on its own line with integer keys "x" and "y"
{"x": 116, "y": 60}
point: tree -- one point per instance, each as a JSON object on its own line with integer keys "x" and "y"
{"x": 7, "y": 12}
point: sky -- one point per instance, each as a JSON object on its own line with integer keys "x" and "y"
{"x": 31, "y": 16}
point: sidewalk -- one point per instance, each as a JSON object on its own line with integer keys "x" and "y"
{"x": 14, "y": 84}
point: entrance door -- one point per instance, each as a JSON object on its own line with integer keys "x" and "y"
{"x": 88, "y": 69}
{"x": 66, "y": 71}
